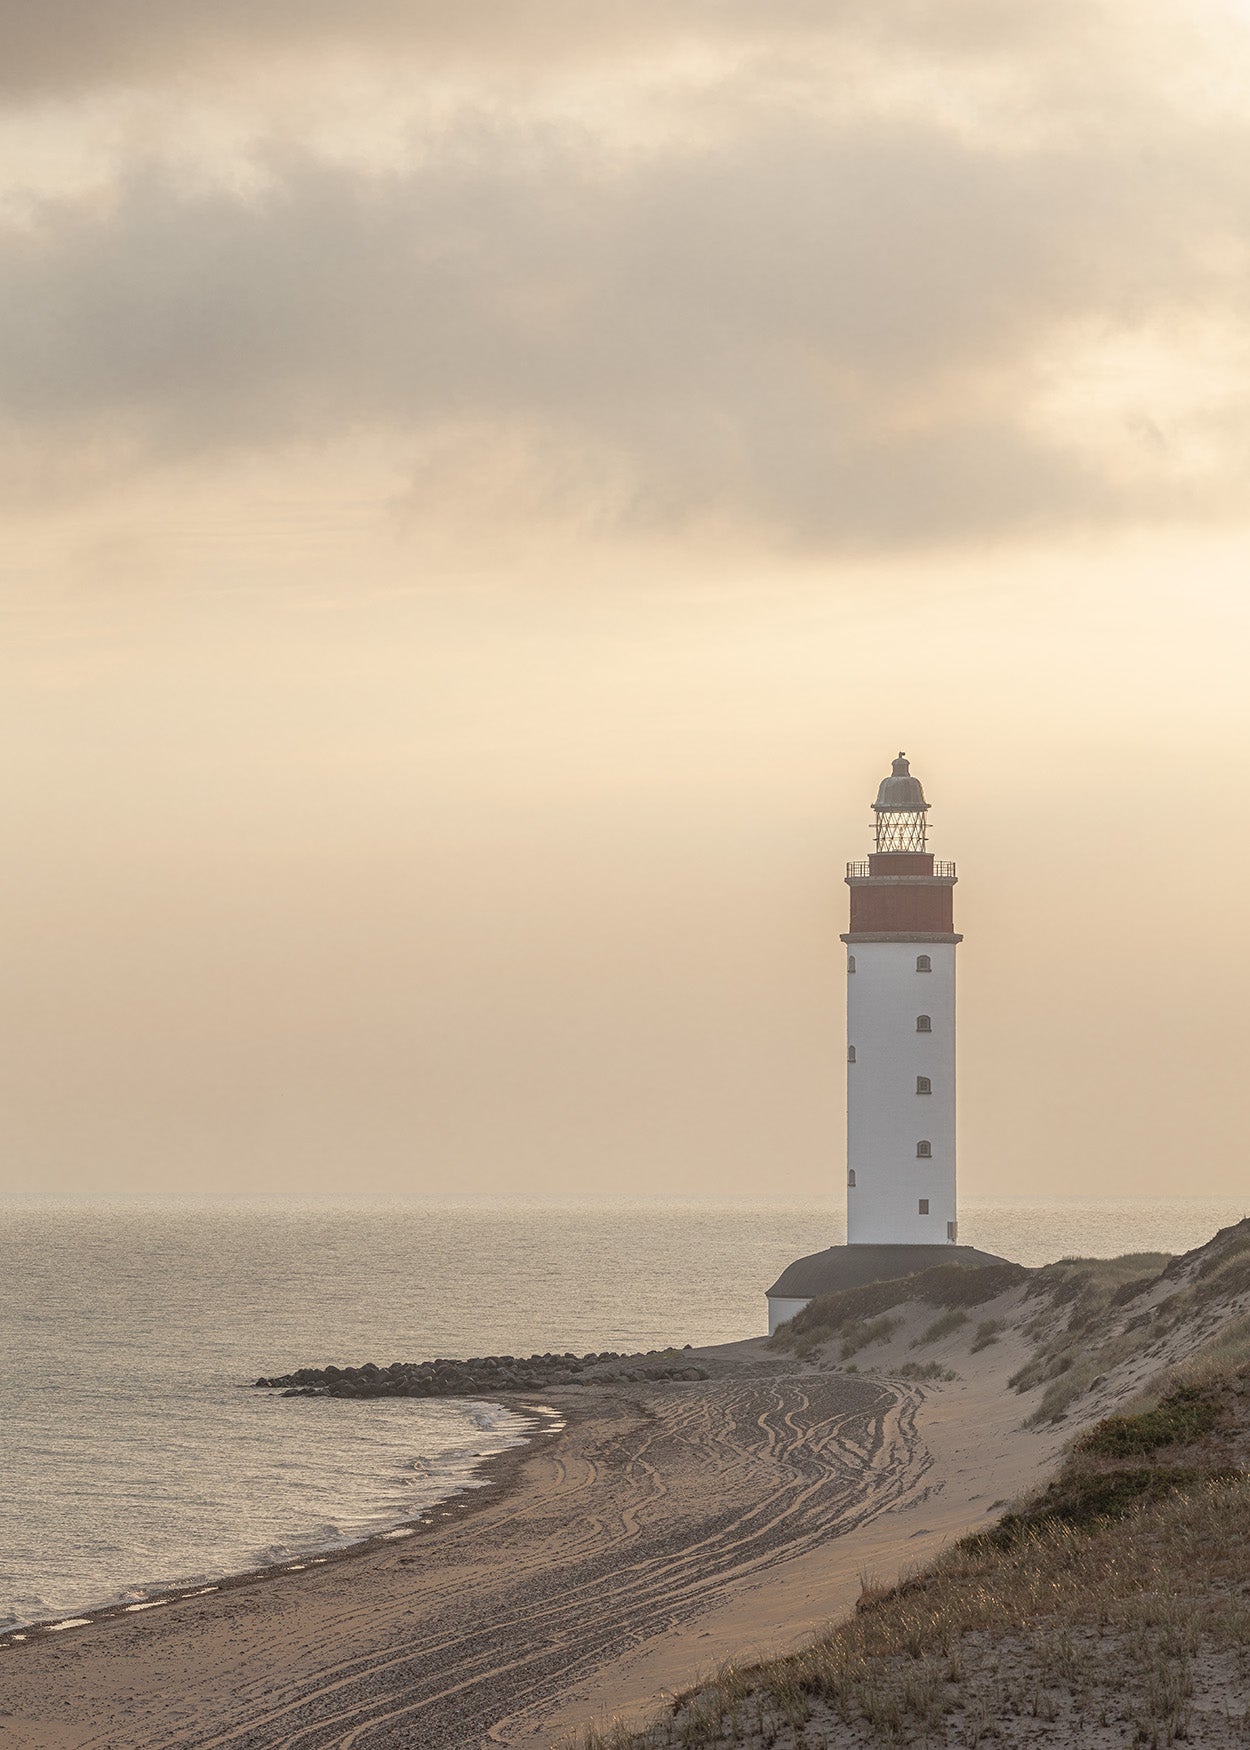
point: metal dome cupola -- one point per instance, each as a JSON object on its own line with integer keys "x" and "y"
{"x": 901, "y": 889}
{"x": 900, "y": 809}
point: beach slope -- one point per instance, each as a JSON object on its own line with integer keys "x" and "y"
{"x": 661, "y": 1530}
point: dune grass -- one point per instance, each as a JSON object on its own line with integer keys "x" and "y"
{"x": 1111, "y": 1607}
{"x": 1094, "y": 1626}
{"x": 945, "y": 1285}
{"x": 1186, "y": 1413}
{"x": 945, "y": 1326}
{"x": 987, "y": 1332}
{"x": 1096, "y": 1336}
{"x": 1112, "y": 1602}
{"x": 862, "y": 1333}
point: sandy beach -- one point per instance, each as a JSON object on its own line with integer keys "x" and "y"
{"x": 661, "y": 1531}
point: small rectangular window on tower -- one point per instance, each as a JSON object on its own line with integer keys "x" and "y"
{"x": 924, "y": 1206}
{"x": 923, "y": 1024}
{"x": 923, "y": 963}
{"x": 850, "y": 1054}
{"x": 952, "y": 1230}
{"x": 923, "y": 1085}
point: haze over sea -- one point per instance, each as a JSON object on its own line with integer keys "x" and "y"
{"x": 133, "y": 1460}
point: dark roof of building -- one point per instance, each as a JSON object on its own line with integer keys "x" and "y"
{"x": 900, "y": 793}
{"x": 852, "y": 1266}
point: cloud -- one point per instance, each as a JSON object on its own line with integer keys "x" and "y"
{"x": 63, "y": 46}
{"x": 802, "y": 318}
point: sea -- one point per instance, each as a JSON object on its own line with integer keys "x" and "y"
{"x": 135, "y": 1459}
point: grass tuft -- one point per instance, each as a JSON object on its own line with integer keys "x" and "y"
{"x": 945, "y": 1285}
{"x": 1087, "y": 1611}
{"x": 942, "y": 1327}
{"x": 987, "y": 1332}
{"x": 860, "y": 1335}
{"x": 1185, "y": 1414}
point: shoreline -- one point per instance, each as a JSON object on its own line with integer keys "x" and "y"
{"x": 667, "y": 1530}
{"x": 494, "y": 1475}
{"x": 491, "y": 1384}
{"x": 660, "y": 1531}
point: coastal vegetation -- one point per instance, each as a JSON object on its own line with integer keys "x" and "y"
{"x": 988, "y": 1331}
{"x": 859, "y": 1334}
{"x": 941, "y": 1327}
{"x": 1111, "y": 1608}
{"x": 1081, "y": 1321}
{"x": 1120, "y": 1310}
{"x": 946, "y": 1285}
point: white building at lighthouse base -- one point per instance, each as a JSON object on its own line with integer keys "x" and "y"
{"x": 852, "y": 1267}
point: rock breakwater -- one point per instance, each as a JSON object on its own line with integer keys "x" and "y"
{"x": 482, "y": 1375}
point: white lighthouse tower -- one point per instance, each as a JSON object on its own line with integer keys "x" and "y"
{"x": 900, "y": 1072}
{"x": 900, "y": 1010}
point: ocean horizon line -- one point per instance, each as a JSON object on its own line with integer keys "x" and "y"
{"x": 581, "y": 1200}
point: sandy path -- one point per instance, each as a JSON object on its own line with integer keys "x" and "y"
{"x": 655, "y": 1507}
{"x": 967, "y": 1453}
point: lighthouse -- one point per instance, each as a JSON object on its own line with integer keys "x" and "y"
{"x": 900, "y": 1012}
{"x": 901, "y": 1216}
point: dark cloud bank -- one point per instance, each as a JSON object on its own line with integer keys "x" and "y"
{"x": 71, "y": 46}
{"x": 829, "y": 329}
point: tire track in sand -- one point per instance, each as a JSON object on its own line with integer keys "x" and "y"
{"x": 492, "y": 1618}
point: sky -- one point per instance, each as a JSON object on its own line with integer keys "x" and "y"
{"x": 485, "y": 491}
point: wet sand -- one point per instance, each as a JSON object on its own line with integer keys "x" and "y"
{"x": 664, "y": 1529}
